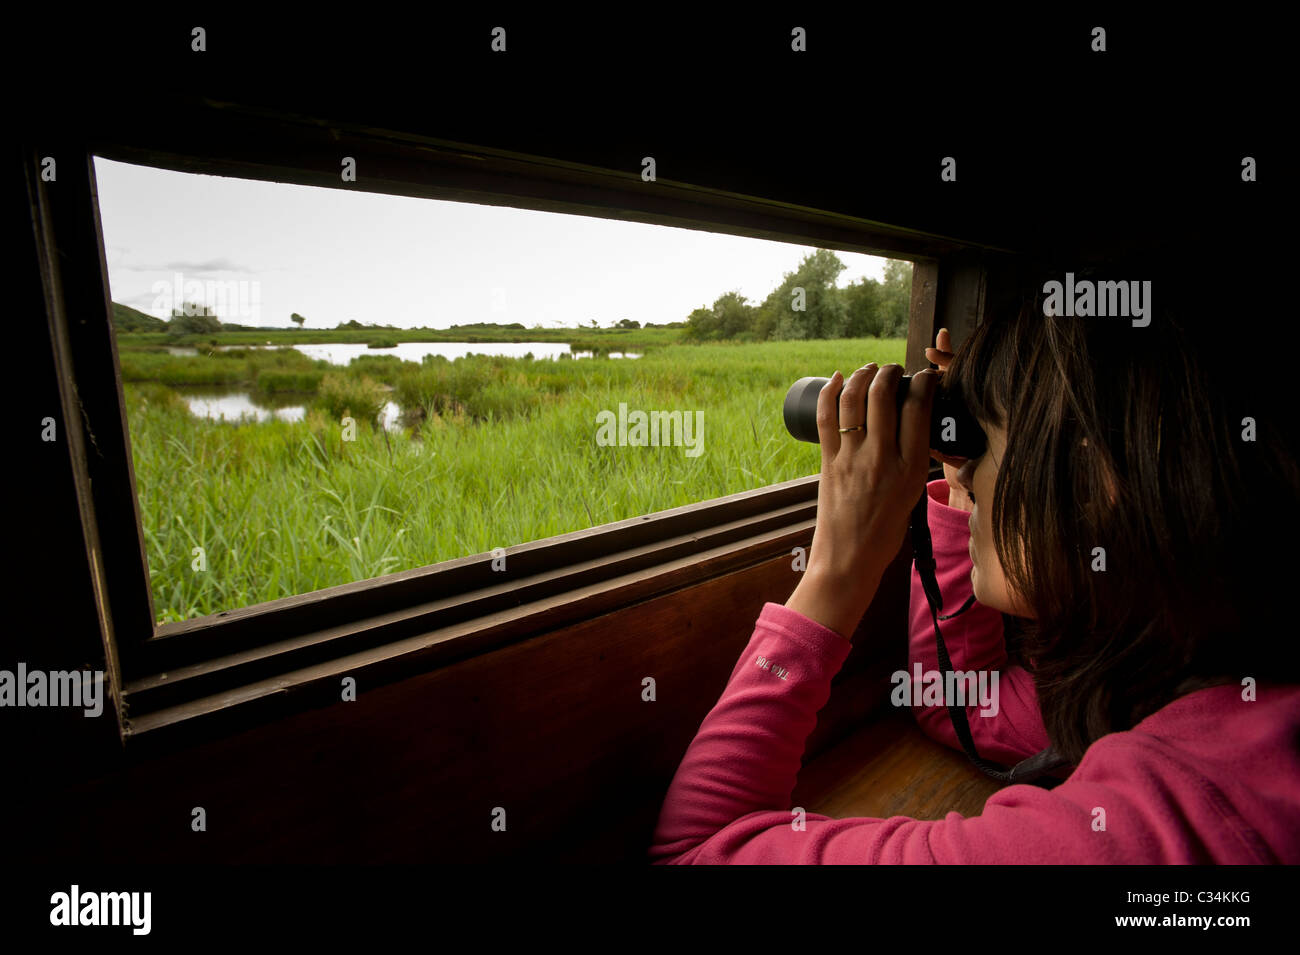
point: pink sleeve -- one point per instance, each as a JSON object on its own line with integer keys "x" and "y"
{"x": 1014, "y": 728}
{"x": 729, "y": 801}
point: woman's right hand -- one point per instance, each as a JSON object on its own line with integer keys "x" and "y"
{"x": 941, "y": 355}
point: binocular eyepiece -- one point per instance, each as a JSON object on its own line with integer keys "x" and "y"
{"x": 953, "y": 429}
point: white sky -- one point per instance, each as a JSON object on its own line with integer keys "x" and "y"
{"x": 333, "y": 256}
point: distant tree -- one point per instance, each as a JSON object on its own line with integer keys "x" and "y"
{"x": 824, "y": 313}
{"x": 730, "y": 317}
{"x": 595, "y": 324}
{"x": 297, "y": 319}
{"x": 193, "y": 319}
{"x": 896, "y": 298}
{"x": 701, "y": 325}
{"x": 864, "y": 301}
{"x": 627, "y": 323}
{"x": 735, "y": 316}
{"x": 861, "y": 309}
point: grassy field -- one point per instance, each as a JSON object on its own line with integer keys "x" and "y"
{"x": 498, "y": 452}
{"x": 583, "y": 339}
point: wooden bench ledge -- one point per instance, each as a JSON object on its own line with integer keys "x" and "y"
{"x": 889, "y": 767}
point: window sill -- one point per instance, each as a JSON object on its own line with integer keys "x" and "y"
{"x": 553, "y": 583}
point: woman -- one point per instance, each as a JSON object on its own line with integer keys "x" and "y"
{"x": 1135, "y": 509}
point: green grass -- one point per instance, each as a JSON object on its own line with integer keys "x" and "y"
{"x": 271, "y": 380}
{"x": 582, "y": 339}
{"x": 351, "y": 396}
{"x": 278, "y": 366}
{"x": 504, "y": 452}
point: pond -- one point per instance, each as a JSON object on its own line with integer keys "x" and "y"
{"x": 233, "y": 404}
{"x": 342, "y": 353}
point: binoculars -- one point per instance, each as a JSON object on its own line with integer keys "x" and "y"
{"x": 953, "y": 429}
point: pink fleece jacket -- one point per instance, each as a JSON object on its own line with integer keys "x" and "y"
{"x": 1210, "y": 778}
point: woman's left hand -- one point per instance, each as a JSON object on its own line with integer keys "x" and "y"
{"x": 870, "y": 481}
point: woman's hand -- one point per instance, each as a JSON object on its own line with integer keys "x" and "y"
{"x": 941, "y": 355}
{"x": 870, "y": 481}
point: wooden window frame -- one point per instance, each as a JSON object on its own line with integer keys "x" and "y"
{"x": 177, "y": 683}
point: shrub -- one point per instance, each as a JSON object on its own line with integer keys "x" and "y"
{"x": 289, "y": 380}
{"x": 150, "y": 393}
{"x": 385, "y": 368}
{"x": 349, "y": 396}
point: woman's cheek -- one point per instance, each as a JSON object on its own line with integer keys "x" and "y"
{"x": 986, "y": 582}
{"x": 974, "y": 563}
{"x": 977, "y": 585}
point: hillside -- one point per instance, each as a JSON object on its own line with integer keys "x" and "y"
{"x": 128, "y": 319}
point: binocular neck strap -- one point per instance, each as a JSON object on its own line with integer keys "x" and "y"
{"x": 1032, "y": 769}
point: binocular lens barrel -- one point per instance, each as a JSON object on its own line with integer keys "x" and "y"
{"x": 953, "y": 429}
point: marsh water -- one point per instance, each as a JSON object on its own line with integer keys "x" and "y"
{"x": 342, "y": 353}
{"x": 233, "y": 404}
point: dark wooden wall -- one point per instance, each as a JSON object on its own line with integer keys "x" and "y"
{"x": 553, "y": 729}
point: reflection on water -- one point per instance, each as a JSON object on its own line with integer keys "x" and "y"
{"x": 342, "y": 353}
{"x": 233, "y": 405}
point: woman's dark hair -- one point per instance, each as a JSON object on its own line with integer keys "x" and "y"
{"x": 1169, "y": 446}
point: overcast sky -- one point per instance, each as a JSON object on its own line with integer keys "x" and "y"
{"x": 333, "y": 255}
